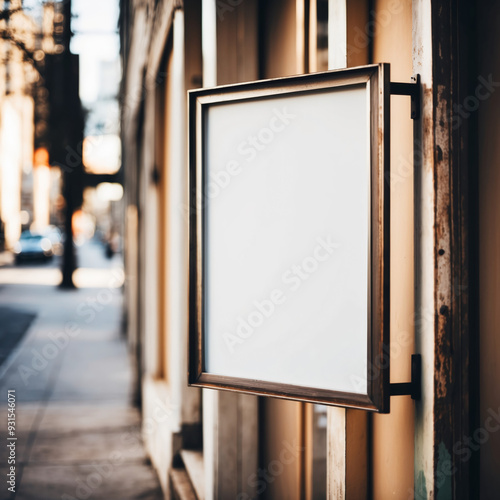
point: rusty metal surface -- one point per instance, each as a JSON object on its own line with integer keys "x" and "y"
{"x": 444, "y": 251}
{"x": 453, "y": 365}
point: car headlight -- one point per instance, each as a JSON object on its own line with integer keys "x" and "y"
{"x": 17, "y": 248}
{"x": 46, "y": 244}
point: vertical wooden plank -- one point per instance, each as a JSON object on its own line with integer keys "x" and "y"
{"x": 161, "y": 169}
{"x": 237, "y": 43}
{"x": 227, "y": 46}
{"x": 230, "y": 444}
{"x": 248, "y": 41}
{"x": 209, "y": 42}
{"x": 165, "y": 143}
{"x": 358, "y": 32}
{"x": 280, "y": 32}
{"x": 447, "y": 340}
{"x": 210, "y": 419}
{"x": 337, "y": 34}
{"x": 210, "y": 429}
{"x": 347, "y": 454}
{"x": 192, "y": 66}
{"x": 210, "y": 405}
{"x": 315, "y": 452}
{"x": 177, "y": 263}
{"x": 193, "y": 44}
{"x": 336, "y": 453}
{"x": 347, "y": 439}
{"x": 309, "y": 450}
{"x": 230, "y": 420}
{"x": 248, "y": 432}
{"x": 356, "y": 467}
{"x": 300, "y": 37}
{"x": 313, "y": 36}
{"x": 424, "y": 250}
{"x": 337, "y": 417}
{"x": 445, "y": 333}
{"x": 150, "y": 248}
{"x": 226, "y": 485}
{"x": 281, "y": 453}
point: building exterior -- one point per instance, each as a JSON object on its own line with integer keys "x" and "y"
{"x": 27, "y": 182}
{"x": 444, "y": 180}
{"x": 16, "y": 126}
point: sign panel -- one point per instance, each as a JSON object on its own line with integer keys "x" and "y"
{"x": 289, "y": 230}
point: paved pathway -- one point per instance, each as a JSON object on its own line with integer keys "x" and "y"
{"x": 78, "y": 437}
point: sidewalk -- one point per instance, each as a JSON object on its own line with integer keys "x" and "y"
{"x": 78, "y": 436}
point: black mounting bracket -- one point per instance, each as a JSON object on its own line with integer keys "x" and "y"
{"x": 412, "y": 90}
{"x": 413, "y": 388}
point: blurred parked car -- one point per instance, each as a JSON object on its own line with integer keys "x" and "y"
{"x": 33, "y": 246}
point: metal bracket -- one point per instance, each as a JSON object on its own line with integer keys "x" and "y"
{"x": 413, "y": 388}
{"x": 412, "y": 90}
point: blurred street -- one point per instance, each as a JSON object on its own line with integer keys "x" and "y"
{"x": 78, "y": 435}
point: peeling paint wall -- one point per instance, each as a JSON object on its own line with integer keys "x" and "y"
{"x": 424, "y": 250}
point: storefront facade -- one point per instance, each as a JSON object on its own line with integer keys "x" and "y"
{"x": 444, "y": 288}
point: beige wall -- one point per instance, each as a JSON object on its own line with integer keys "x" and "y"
{"x": 489, "y": 250}
{"x": 392, "y": 440}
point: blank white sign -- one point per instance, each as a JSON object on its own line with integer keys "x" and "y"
{"x": 287, "y": 239}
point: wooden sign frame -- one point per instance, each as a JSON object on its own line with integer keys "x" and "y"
{"x": 376, "y": 81}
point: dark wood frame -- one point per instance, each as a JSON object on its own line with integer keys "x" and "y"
{"x": 377, "y": 79}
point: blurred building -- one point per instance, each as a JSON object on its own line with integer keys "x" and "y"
{"x": 103, "y": 197}
{"x": 16, "y": 117}
{"x": 28, "y": 185}
{"x": 444, "y": 184}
